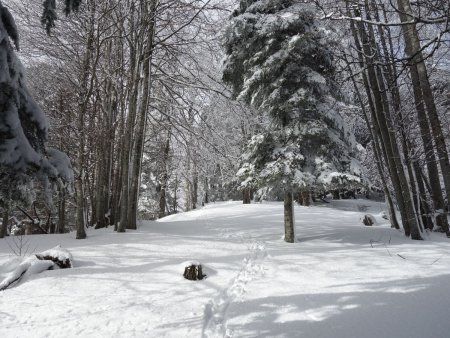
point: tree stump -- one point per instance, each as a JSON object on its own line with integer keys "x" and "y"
{"x": 193, "y": 272}
{"x": 368, "y": 220}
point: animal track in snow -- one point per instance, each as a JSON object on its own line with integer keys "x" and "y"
{"x": 215, "y": 315}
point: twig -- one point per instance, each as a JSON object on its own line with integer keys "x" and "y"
{"x": 436, "y": 260}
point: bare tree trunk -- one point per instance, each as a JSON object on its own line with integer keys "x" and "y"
{"x": 175, "y": 197}
{"x": 425, "y": 209}
{"x": 289, "y": 233}
{"x": 4, "y": 227}
{"x": 120, "y": 107}
{"x": 104, "y": 157}
{"x": 165, "y": 178}
{"x": 149, "y": 18}
{"x": 81, "y": 219}
{"x": 206, "y": 200}
{"x": 130, "y": 122}
{"x": 61, "y": 209}
{"x": 246, "y": 196}
{"x": 374, "y": 136}
{"x": 381, "y": 118}
{"x": 424, "y": 94}
{"x": 194, "y": 189}
{"x": 85, "y": 95}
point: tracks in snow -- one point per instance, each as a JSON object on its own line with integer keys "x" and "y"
{"x": 215, "y": 315}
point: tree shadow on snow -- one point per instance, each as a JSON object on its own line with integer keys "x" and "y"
{"x": 403, "y": 308}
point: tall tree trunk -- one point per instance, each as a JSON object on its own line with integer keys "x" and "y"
{"x": 165, "y": 178}
{"x": 120, "y": 107}
{"x": 149, "y": 17}
{"x": 86, "y": 88}
{"x": 104, "y": 156}
{"x": 431, "y": 163}
{"x": 127, "y": 144}
{"x": 376, "y": 148}
{"x": 381, "y": 118}
{"x": 424, "y": 94}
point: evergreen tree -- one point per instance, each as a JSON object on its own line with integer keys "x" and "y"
{"x": 23, "y": 127}
{"x": 279, "y": 61}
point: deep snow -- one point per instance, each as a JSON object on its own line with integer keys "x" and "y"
{"x": 341, "y": 279}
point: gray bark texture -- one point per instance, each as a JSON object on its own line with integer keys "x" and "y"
{"x": 289, "y": 233}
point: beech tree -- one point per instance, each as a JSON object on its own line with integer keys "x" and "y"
{"x": 98, "y": 80}
{"x": 391, "y": 78}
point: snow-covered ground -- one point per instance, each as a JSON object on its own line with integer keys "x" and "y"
{"x": 341, "y": 279}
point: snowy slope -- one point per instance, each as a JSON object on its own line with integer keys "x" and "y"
{"x": 340, "y": 279}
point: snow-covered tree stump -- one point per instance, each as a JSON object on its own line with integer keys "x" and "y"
{"x": 368, "y": 220}
{"x": 61, "y": 257}
{"x": 193, "y": 272}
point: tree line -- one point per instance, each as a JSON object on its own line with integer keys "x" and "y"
{"x": 313, "y": 97}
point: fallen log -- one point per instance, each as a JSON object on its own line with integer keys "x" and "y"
{"x": 29, "y": 266}
{"x": 47, "y": 260}
{"x": 61, "y": 257}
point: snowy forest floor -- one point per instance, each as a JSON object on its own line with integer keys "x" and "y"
{"x": 341, "y": 279}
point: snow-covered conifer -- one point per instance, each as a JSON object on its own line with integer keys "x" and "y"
{"x": 23, "y": 125}
{"x": 279, "y": 61}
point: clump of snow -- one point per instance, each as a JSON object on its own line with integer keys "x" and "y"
{"x": 189, "y": 263}
{"x": 61, "y": 162}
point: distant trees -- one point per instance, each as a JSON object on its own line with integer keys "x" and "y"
{"x": 133, "y": 93}
{"x": 279, "y": 61}
{"x": 135, "y": 90}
